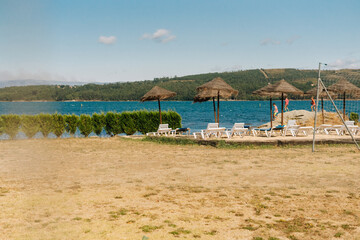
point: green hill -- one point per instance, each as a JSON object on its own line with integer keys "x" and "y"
{"x": 244, "y": 81}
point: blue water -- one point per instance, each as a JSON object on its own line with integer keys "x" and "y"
{"x": 194, "y": 115}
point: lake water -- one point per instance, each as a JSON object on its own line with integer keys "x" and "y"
{"x": 194, "y": 115}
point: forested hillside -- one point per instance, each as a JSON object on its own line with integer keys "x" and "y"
{"x": 185, "y": 87}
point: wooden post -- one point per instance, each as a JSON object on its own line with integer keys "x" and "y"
{"x": 344, "y": 107}
{"x": 271, "y": 114}
{"x": 160, "y": 111}
{"x": 282, "y": 109}
{"x": 214, "y": 109}
{"x": 218, "y": 108}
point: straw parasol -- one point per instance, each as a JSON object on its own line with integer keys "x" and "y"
{"x": 342, "y": 87}
{"x": 157, "y": 93}
{"x": 215, "y": 88}
{"x": 276, "y": 90}
{"x": 322, "y": 94}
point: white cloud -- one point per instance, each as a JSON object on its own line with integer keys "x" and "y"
{"x": 160, "y": 35}
{"x": 345, "y": 63}
{"x": 269, "y": 41}
{"x": 107, "y": 40}
{"x": 293, "y": 39}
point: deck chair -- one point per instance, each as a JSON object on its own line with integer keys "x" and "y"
{"x": 323, "y": 128}
{"x": 163, "y": 129}
{"x": 268, "y": 132}
{"x": 305, "y": 130}
{"x": 237, "y": 129}
{"x": 291, "y": 127}
{"x": 212, "y": 129}
{"x": 341, "y": 129}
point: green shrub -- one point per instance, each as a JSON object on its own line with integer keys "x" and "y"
{"x": 98, "y": 121}
{"x": 45, "y": 124}
{"x": 147, "y": 121}
{"x": 1, "y": 126}
{"x": 30, "y": 125}
{"x": 354, "y": 117}
{"x": 58, "y": 124}
{"x": 11, "y": 124}
{"x": 71, "y": 123}
{"x": 172, "y": 118}
{"x": 85, "y": 125}
{"x": 127, "y": 123}
{"x": 112, "y": 123}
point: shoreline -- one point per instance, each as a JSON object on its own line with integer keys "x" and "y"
{"x": 240, "y": 100}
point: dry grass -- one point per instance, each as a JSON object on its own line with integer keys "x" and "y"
{"x": 126, "y": 189}
{"x": 329, "y": 118}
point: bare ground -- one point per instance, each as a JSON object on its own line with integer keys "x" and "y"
{"x": 126, "y": 189}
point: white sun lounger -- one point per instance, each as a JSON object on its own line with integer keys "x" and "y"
{"x": 237, "y": 129}
{"x": 305, "y": 130}
{"x": 212, "y": 129}
{"x": 323, "y": 128}
{"x": 162, "y": 130}
{"x": 292, "y": 128}
{"x": 341, "y": 129}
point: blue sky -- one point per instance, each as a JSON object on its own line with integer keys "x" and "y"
{"x": 110, "y": 41}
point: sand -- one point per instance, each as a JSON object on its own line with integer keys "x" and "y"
{"x": 120, "y": 188}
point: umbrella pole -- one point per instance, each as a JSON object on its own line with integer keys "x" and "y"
{"x": 160, "y": 111}
{"x": 322, "y": 109}
{"x": 214, "y": 109}
{"x": 344, "y": 107}
{"x": 282, "y": 109}
{"x": 218, "y": 107}
{"x": 271, "y": 112}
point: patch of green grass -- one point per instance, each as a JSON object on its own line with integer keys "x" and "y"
{"x": 211, "y": 233}
{"x": 170, "y": 140}
{"x": 149, "y": 228}
{"x": 257, "y": 238}
{"x": 347, "y": 212}
{"x": 170, "y": 224}
{"x": 116, "y": 214}
{"x": 249, "y": 227}
{"x": 273, "y": 238}
{"x": 295, "y": 225}
{"x": 180, "y": 231}
{"x": 258, "y": 207}
{"x": 292, "y": 237}
{"x": 149, "y": 194}
{"x": 347, "y": 227}
{"x": 77, "y": 218}
{"x": 338, "y": 234}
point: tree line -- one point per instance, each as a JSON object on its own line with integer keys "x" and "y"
{"x": 244, "y": 81}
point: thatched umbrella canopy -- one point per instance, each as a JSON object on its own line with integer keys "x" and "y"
{"x": 322, "y": 94}
{"x": 157, "y": 93}
{"x": 215, "y": 88}
{"x": 275, "y": 90}
{"x": 344, "y": 87}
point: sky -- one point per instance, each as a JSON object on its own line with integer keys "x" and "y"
{"x": 134, "y": 40}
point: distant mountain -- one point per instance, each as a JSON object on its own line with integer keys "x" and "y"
{"x": 32, "y": 82}
{"x": 244, "y": 81}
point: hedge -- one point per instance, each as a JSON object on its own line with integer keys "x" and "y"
{"x": 113, "y": 123}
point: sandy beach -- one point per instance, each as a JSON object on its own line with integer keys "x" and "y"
{"x": 125, "y": 189}
{"x": 120, "y": 188}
